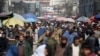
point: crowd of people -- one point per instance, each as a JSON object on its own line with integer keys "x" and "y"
{"x": 51, "y": 39}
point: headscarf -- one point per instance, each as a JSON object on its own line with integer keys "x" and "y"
{"x": 40, "y": 51}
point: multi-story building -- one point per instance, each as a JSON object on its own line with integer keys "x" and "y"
{"x": 5, "y": 7}
{"x": 44, "y": 3}
{"x": 96, "y": 7}
{"x": 66, "y": 7}
{"x": 15, "y": 6}
{"x": 59, "y": 7}
{"x": 75, "y": 7}
{"x": 89, "y": 7}
{"x": 37, "y": 5}
{"x": 57, "y": 2}
{"x": 1, "y": 6}
{"x": 45, "y": 6}
{"x": 26, "y": 6}
{"x": 18, "y": 7}
{"x": 29, "y": 6}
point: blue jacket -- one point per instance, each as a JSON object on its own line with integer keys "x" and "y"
{"x": 41, "y": 31}
{"x": 12, "y": 51}
{"x": 70, "y": 37}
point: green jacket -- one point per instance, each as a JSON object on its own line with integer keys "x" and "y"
{"x": 52, "y": 43}
{"x": 27, "y": 50}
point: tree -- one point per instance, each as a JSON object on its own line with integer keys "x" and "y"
{"x": 1, "y": 5}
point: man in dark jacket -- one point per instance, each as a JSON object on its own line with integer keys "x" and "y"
{"x": 29, "y": 39}
{"x": 61, "y": 47}
{"x": 24, "y": 48}
{"x": 3, "y": 43}
{"x": 92, "y": 41}
{"x": 74, "y": 48}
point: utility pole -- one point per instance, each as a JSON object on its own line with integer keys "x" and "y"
{"x": 9, "y": 5}
{"x": 9, "y": 2}
{"x": 37, "y": 7}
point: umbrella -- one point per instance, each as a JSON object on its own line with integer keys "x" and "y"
{"x": 13, "y": 22}
{"x": 97, "y": 17}
{"x": 51, "y": 19}
{"x": 82, "y": 19}
{"x": 60, "y": 19}
{"x": 4, "y": 16}
{"x": 39, "y": 17}
{"x": 70, "y": 20}
{"x": 29, "y": 15}
{"x": 30, "y": 20}
{"x": 91, "y": 19}
{"x": 17, "y": 16}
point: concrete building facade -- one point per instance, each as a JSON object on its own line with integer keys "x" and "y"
{"x": 89, "y": 7}
{"x": 66, "y": 7}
